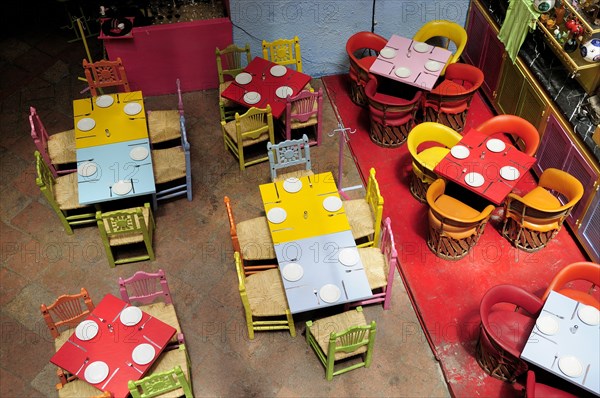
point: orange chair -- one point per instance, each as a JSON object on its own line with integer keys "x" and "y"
{"x": 534, "y": 389}
{"x": 449, "y": 102}
{"x": 358, "y": 44}
{"x": 518, "y": 127}
{"x": 579, "y": 271}
{"x": 105, "y": 73}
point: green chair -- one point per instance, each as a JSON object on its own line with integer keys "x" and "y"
{"x": 340, "y": 337}
{"x": 158, "y": 384}
{"x": 62, "y": 195}
{"x": 126, "y": 228}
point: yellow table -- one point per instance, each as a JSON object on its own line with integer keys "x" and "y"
{"x": 112, "y": 123}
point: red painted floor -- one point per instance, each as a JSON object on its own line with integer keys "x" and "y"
{"x": 446, "y": 294}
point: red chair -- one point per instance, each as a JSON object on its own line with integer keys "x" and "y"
{"x": 505, "y": 330}
{"x": 585, "y": 273}
{"x": 361, "y": 43}
{"x": 392, "y": 118}
{"x": 449, "y": 102}
{"x": 518, "y": 127}
{"x": 539, "y": 390}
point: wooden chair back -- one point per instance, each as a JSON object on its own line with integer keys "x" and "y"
{"x": 68, "y": 311}
{"x": 105, "y": 73}
{"x": 283, "y": 52}
{"x": 231, "y": 61}
{"x": 289, "y": 153}
{"x": 145, "y": 287}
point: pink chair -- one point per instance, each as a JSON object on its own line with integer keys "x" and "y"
{"x": 57, "y": 149}
{"x": 379, "y": 263}
{"x": 152, "y": 290}
{"x": 534, "y": 389}
{"x": 302, "y": 111}
{"x": 518, "y": 127}
{"x": 358, "y": 44}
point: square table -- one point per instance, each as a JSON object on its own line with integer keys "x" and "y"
{"x": 265, "y": 83}
{"x": 314, "y": 241}
{"x": 565, "y": 335}
{"x": 114, "y": 346}
{"x": 411, "y": 62}
{"x": 498, "y": 171}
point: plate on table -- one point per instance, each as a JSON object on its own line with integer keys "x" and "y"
{"x": 87, "y": 169}
{"x": 547, "y": 324}
{"x": 86, "y": 330}
{"x": 421, "y": 47}
{"x": 96, "y": 372}
{"x": 292, "y": 272}
{"x": 122, "y": 187}
{"x": 139, "y": 153}
{"x": 433, "y": 66}
{"x": 86, "y": 124}
{"x": 143, "y": 354}
{"x": 348, "y": 257}
{"x": 460, "y": 151}
{"x": 104, "y": 101}
{"x": 509, "y": 173}
{"x": 474, "y": 179}
{"x": 130, "y": 316}
{"x": 332, "y": 203}
{"x": 276, "y": 215}
{"x": 387, "y": 53}
{"x": 589, "y": 315}
{"x": 243, "y": 78}
{"x": 292, "y": 185}
{"x": 330, "y": 293}
{"x": 278, "y": 70}
{"x": 495, "y": 145}
{"x": 133, "y": 108}
{"x": 251, "y": 97}
{"x": 284, "y": 91}
{"x": 402, "y": 71}
{"x": 570, "y": 366}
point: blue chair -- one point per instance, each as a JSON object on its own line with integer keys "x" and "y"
{"x": 288, "y": 154}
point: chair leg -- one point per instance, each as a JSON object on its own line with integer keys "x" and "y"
{"x": 291, "y": 324}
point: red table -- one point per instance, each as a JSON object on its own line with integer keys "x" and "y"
{"x": 488, "y": 163}
{"x": 114, "y": 347}
{"x": 264, "y": 83}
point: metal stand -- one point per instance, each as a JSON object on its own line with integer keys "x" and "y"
{"x": 343, "y": 132}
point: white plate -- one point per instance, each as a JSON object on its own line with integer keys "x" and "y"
{"x": 132, "y": 108}
{"x": 509, "y": 173}
{"x": 474, "y": 179}
{"x": 547, "y": 324}
{"x": 292, "y": 185}
{"x": 87, "y": 169}
{"x": 460, "y": 151}
{"x": 330, "y": 293}
{"x": 278, "y": 70}
{"x": 387, "y": 53}
{"x": 121, "y": 187}
{"x": 251, "y": 97}
{"x": 402, "y": 72}
{"x": 276, "y": 215}
{"x": 86, "y": 124}
{"x": 348, "y": 257}
{"x": 332, "y": 203}
{"x": 96, "y": 372}
{"x": 104, "y": 101}
{"x": 570, "y": 366}
{"x": 143, "y": 354}
{"x": 284, "y": 91}
{"x": 589, "y": 315}
{"x": 421, "y": 47}
{"x": 495, "y": 145}
{"x": 138, "y": 153}
{"x": 433, "y": 66}
{"x": 131, "y": 316}
{"x": 292, "y": 272}
{"x": 86, "y": 330}
{"x": 243, "y": 78}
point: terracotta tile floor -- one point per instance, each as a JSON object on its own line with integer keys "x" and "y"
{"x": 39, "y": 261}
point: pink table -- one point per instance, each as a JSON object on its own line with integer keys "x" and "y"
{"x": 114, "y": 347}
{"x": 420, "y": 66}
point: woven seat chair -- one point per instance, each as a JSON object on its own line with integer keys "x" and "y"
{"x": 105, "y": 73}
{"x": 290, "y": 154}
{"x": 164, "y": 126}
{"x": 362, "y": 49}
{"x": 533, "y": 220}
{"x": 283, "y": 52}
{"x": 504, "y": 331}
{"x": 263, "y": 299}
{"x": 304, "y": 111}
{"x": 364, "y": 215}
{"x": 449, "y": 32}
{"x": 342, "y": 336}
{"x": 230, "y": 62}
{"x": 572, "y": 280}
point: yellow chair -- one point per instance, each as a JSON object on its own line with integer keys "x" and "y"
{"x": 425, "y": 160}
{"x": 449, "y": 31}
{"x": 454, "y": 227}
{"x": 283, "y": 52}
{"x": 253, "y": 127}
{"x": 364, "y": 215}
{"x": 230, "y": 62}
{"x": 263, "y": 298}
{"x": 531, "y": 221}
{"x": 164, "y": 125}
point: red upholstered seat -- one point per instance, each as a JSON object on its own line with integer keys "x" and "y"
{"x": 362, "y": 49}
